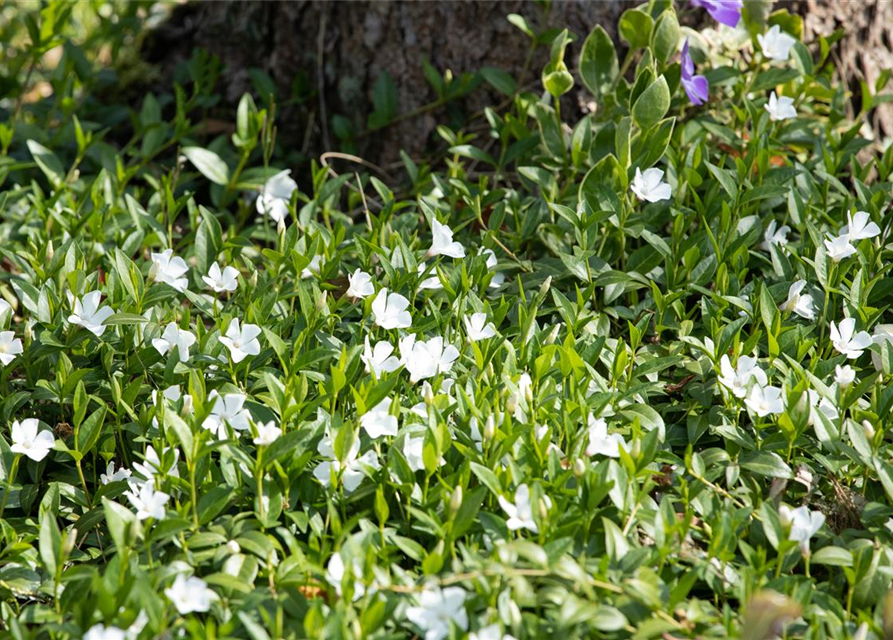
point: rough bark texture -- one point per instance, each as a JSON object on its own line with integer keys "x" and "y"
{"x": 866, "y": 50}
{"x": 339, "y": 50}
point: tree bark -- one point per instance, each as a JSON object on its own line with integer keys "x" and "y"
{"x": 338, "y": 50}
{"x": 865, "y": 51}
{"x": 325, "y": 57}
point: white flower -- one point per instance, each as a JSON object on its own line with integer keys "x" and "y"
{"x": 491, "y": 632}
{"x": 600, "y": 443}
{"x": 10, "y": 347}
{"x": 378, "y": 359}
{"x": 241, "y": 340}
{"x": 389, "y": 311}
{"x": 799, "y": 303}
{"x": 774, "y": 235}
{"x": 172, "y": 337}
{"x": 737, "y": 379}
{"x": 859, "y": 227}
{"x": 190, "y": 595}
{"x": 442, "y": 243}
{"x": 839, "y": 247}
{"x": 425, "y": 359}
{"x": 220, "y": 281}
{"x": 776, "y": 44}
{"x": 111, "y": 475}
{"x": 276, "y": 195}
{"x": 780, "y": 108}
{"x": 28, "y": 440}
{"x": 312, "y": 269}
{"x": 171, "y": 393}
{"x": 498, "y": 278}
{"x": 437, "y": 610}
{"x": 378, "y": 420}
{"x": 267, "y": 433}
{"x": 152, "y": 467}
{"x": 432, "y": 283}
{"x": 413, "y": 451}
{"x": 360, "y": 284}
{"x": 820, "y": 404}
{"x": 765, "y": 400}
{"x": 88, "y": 314}
{"x": 352, "y": 471}
{"x": 102, "y": 632}
{"x": 803, "y": 522}
{"x": 169, "y": 269}
{"x": 335, "y": 575}
{"x": 4, "y": 307}
{"x": 847, "y": 341}
{"x": 882, "y": 333}
{"x": 227, "y": 409}
{"x": 521, "y": 512}
{"x": 845, "y": 376}
{"x": 650, "y": 185}
{"x": 148, "y": 502}
{"x": 477, "y": 327}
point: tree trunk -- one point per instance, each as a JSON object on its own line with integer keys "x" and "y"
{"x": 865, "y": 51}
{"x": 333, "y": 53}
{"x": 326, "y": 57}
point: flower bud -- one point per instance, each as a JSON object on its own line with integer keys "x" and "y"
{"x": 489, "y": 428}
{"x": 547, "y": 284}
{"x": 321, "y": 301}
{"x": 869, "y": 429}
{"x": 579, "y": 467}
{"x": 456, "y": 499}
{"x": 233, "y": 547}
{"x": 252, "y": 281}
{"x": 50, "y": 251}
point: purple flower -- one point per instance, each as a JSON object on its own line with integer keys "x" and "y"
{"x": 728, "y": 12}
{"x": 696, "y": 87}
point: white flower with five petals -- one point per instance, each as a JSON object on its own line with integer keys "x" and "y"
{"x": 219, "y": 280}
{"x": 29, "y": 440}
{"x": 169, "y": 269}
{"x": 438, "y": 610}
{"x": 847, "y": 341}
{"x": 860, "y": 227}
{"x": 10, "y": 347}
{"x": 360, "y": 284}
{"x": 799, "y": 302}
{"x": 190, "y": 595}
{"x": 477, "y": 327}
{"x": 389, "y": 311}
{"x": 378, "y": 420}
{"x": 378, "y": 359}
{"x": 776, "y": 44}
{"x": 173, "y": 337}
{"x": 241, "y": 340}
{"x": 780, "y": 108}
{"x": 88, "y": 314}
{"x": 650, "y": 185}
{"x": 275, "y": 196}
{"x": 737, "y": 379}
{"x": 442, "y": 243}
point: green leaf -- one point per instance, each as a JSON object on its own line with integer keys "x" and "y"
{"x": 833, "y": 557}
{"x": 652, "y": 105}
{"x": 500, "y": 80}
{"x": 598, "y": 62}
{"x": 766, "y": 463}
{"x": 665, "y": 40}
{"x": 209, "y": 164}
{"x": 89, "y": 432}
{"x": 635, "y": 27}
{"x": 48, "y": 163}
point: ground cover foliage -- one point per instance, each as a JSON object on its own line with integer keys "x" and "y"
{"x": 622, "y": 376}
